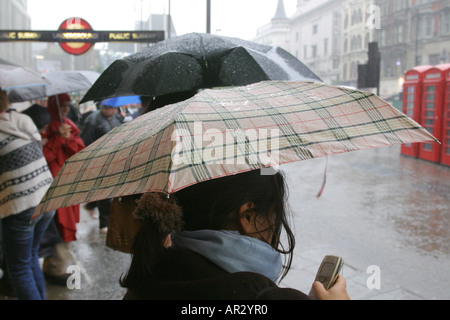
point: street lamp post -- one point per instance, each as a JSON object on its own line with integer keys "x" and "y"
{"x": 169, "y": 18}
{"x": 208, "y": 16}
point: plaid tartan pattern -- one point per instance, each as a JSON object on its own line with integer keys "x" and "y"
{"x": 310, "y": 120}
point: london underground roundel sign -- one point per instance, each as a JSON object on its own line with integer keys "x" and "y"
{"x": 75, "y": 48}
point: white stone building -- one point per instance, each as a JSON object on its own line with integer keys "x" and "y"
{"x": 315, "y": 37}
{"x": 276, "y": 32}
{"x": 356, "y": 36}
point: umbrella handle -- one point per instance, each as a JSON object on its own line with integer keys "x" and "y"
{"x": 61, "y": 118}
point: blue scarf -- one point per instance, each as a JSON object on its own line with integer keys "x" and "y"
{"x": 232, "y": 251}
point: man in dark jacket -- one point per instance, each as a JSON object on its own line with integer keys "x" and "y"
{"x": 97, "y": 124}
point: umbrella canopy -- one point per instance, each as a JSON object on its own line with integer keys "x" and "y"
{"x": 228, "y": 131}
{"x": 121, "y": 101}
{"x": 15, "y": 76}
{"x": 61, "y": 82}
{"x": 194, "y": 61}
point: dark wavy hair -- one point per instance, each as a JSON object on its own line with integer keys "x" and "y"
{"x": 211, "y": 205}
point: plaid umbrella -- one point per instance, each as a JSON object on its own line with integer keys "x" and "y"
{"x": 221, "y": 132}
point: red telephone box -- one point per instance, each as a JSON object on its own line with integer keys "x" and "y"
{"x": 432, "y": 110}
{"x": 412, "y": 99}
{"x": 445, "y": 147}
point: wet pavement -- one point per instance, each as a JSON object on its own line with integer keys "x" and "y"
{"x": 378, "y": 209}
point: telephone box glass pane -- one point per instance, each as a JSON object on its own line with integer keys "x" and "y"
{"x": 430, "y": 105}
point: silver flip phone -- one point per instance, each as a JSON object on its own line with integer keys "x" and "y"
{"x": 329, "y": 270}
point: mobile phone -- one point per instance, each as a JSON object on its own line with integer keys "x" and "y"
{"x": 329, "y": 270}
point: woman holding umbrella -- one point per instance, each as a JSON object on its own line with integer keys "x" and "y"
{"x": 63, "y": 141}
{"x": 226, "y": 243}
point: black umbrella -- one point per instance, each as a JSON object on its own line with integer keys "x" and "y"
{"x": 195, "y": 61}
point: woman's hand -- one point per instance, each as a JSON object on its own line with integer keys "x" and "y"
{"x": 64, "y": 131}
{"x": 336, "y": 292}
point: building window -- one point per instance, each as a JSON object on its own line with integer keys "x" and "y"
{"x": 426, "y": 23}
{"x": 383, "y": 37}
{"x": 354, "y": 70}
{"x": 356, "y": 43}
{"x": 315, "y": 28}
{"x": 434, "y": 59}
{"x": 336, "y": 63}
{"x": 445, "y": 23}
{"x": 314, "y": 51}
{"x": 325, "y": 47}
{"x": 400, "y": 34}
{"x": 428, "y": 26}
{"x": 357, "y": 17}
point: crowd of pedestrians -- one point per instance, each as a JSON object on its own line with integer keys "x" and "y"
{"x": 34, "y": 144}
{"x": 218, "y": 239}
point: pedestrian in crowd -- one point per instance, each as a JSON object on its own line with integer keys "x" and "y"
{"x": 87, "y": 113}
{"x": 95, "y": 126}
{"x": 74, "y": 114}
{"x": 225, "y": 243}
{"x": 41, "y": 118}
{"x": 24, "y": 179}
{"x": 122, "y": 207}
{"x": 63, "y": 142}
{"x": 124, "y": 114}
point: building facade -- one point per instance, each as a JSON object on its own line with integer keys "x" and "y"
{"x": 332, "y": 37}
{"x": 412, "y": 33}
{"x": 275, "y": 33}
{"x": 357, "y": 32}
{"x": 315, "y": 37}
{"x": 13, "y": 15}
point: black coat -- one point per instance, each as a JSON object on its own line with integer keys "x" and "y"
{"x": 185, "y": 275}
{"x": 96, "y": 125}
